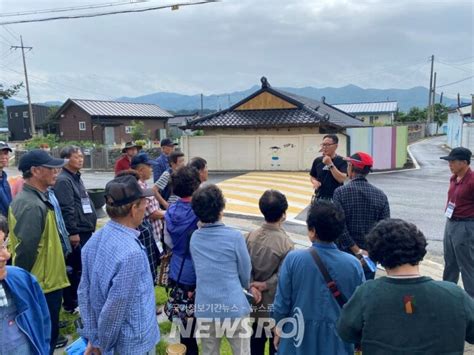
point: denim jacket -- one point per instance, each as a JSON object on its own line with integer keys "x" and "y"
{"x": 33, "y": 314}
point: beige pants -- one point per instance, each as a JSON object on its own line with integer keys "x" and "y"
{"x": 212, "y": 332}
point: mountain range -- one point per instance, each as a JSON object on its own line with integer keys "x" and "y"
{"x": 407, "y": 98}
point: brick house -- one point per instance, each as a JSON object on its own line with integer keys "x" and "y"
{"x": 109, "y": 122}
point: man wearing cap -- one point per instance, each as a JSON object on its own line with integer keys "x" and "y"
{"x": 129, "y": 151}
{"x": 459, "y": 231}
{"x": 328, "y": 171}
{"x": 34, "y": 237}
{"x": 79, "y": 216}
{"x": 162, "y": 162}
{"x": 363, "y": 204}
{"x": 5, "y": 191}
{"x": 116, "y": 294}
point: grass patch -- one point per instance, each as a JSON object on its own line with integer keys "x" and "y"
{"x": 165, "y": 327}
{"x": 161, "y": 347}
{"x": 71, "y": 328}
{"x": 160, "y": 295}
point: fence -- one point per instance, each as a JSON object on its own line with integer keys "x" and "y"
{"x": 296, "y": 153}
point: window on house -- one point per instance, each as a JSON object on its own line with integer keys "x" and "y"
{"x": 25, "y": 114}
{"x": 376, "y": 118}
{"x": 82, "y": 126}
{"x": 16, "y": 114}
{"x": 371, "y": 119}
{"x": 128, "y": 129}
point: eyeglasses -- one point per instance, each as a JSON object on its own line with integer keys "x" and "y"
{"x": 325, "y": 145}
{"x": 4, "y": 244}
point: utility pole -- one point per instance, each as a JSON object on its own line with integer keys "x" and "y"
{"x": 441, "y": 98}
{"x": 428, "y": 110}
{"x": 30, "y": 108}
{"x": 433, "y": 97}
{"x": 202, "y": 103}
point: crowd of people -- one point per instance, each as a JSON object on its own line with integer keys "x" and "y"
{"x": 172, "y": 233}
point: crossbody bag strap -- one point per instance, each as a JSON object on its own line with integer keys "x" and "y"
{"x": 188, "y": 232}
{"x": 331, "y": 284}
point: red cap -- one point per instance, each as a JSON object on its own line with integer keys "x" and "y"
{"x": 361, "y": 160}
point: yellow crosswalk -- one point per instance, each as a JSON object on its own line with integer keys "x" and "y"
{"x": 243, "y": 192}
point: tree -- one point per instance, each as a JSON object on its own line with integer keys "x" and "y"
{"x": 138, "y": 130}
{"x": 6, "y": 94}
{"x": 440, "y": 115}
{"x": 414, "y": 115}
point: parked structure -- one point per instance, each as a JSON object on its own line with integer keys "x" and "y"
{"x": 383, "y": 112}
{"x": 19, "y": 120}
{"x": 109, "y": 122}
{"x": 461, "y": 127}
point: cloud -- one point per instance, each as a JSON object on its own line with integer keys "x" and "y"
{"x": 227, "y": 46}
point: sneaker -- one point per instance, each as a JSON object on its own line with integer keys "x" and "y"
{"x": 61, "y": 342}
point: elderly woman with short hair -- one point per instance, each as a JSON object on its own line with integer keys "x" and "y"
{"x": 405, "y": 312}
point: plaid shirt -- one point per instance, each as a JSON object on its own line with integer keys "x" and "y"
{"x": 116, "y": 294}
{"x": 3, "y": 296}
{"x": 364, "y": 205}
{"x": 152, "y": 206}
{"x": 148, "y": 241}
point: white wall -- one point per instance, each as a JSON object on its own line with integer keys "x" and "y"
{"x": 254, "y": 152}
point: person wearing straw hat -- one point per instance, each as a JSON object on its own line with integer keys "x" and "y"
{"x": 129, "y": 151}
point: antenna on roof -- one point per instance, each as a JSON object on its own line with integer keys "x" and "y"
{"x": 265, "y": 83}
{"x": 323, "y": 99}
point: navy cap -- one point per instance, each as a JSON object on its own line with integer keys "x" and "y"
{"x": 123, "y": 190}
{"x": 166, "y": 142}
{"x": 141, "y": 158}
{"x": 459, "y": 153}
{"x": 38, "y": 157}
{"x": 5, "y": 146}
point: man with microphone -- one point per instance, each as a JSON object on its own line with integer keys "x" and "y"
{"x": 329, "y": 170}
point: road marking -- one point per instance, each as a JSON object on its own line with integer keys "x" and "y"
{"x": 243, "y": 192}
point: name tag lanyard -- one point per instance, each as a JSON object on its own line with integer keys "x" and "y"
{"x": 452, "y": 204}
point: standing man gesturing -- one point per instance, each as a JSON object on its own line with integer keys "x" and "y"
{"x": 329, "y": 170}
{"x": 459, "y": 231}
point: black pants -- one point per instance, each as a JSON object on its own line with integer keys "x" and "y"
{"x": 53, "y": 299}
{"x": 257, "y": 344}
{"x": 190, "y": 342}
{"x": 74, "y": 271}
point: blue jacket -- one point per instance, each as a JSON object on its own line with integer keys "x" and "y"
{"x": 33, "y": 314}
{"x": 180, "y": 222}
{"x": 5, "y": 194}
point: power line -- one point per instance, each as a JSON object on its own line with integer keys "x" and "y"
{"x": 71, "y": 8}
{"x": 15, "y": 37}
{"x": 171, "y": 6}
{"x": 54, "y": 84}
{"x": 455, "y": 82}
{"x": 455, "y": 66}
{"x": 6, "y": 39}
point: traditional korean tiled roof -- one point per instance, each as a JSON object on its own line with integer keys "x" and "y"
{"x": 304, "y": 112}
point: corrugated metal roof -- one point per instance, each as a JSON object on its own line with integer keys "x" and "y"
{"x": 121, "y": 109}
{"x": 368, "y": 107}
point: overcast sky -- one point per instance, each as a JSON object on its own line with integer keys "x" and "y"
{"x": 227, "y": 46}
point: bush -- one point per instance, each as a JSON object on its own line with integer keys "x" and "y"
{"x": 34, "y": 143}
